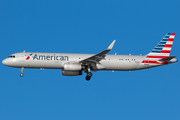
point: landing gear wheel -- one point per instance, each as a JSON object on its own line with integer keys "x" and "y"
{"x": 22, "y": 70}
{"x": 89, "y": 74}
{"x": 21, "y": 74}
{"x": 88, "y": 78}
{"x": 88, "y": 71}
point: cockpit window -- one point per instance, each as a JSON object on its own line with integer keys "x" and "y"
{"x": 11, "y": 56}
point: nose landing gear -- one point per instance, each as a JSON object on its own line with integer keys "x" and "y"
{"x": 22, "y": 70}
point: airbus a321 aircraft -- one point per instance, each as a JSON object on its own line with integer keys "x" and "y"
{"x": 75, "y": 64}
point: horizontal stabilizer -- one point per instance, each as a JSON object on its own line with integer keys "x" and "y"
{"x": 166, "y": 59}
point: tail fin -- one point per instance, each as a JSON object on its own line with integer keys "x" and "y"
{"x": 160, "y": 54}
{"x": 163, "y": 48}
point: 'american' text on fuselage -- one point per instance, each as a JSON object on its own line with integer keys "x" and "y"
{"x": 50, "y": 57}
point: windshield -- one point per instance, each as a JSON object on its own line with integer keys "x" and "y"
{"x": 11, "y": 56}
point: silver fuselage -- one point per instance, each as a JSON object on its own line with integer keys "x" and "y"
{"x": 57, "y": 61}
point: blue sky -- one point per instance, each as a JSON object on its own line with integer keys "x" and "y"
{"x": 78, "y": 26}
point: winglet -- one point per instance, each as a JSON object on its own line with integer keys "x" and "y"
{"x": 111, "y": 45}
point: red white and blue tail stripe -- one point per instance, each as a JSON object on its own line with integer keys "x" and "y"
{"x": 162, "y": 50}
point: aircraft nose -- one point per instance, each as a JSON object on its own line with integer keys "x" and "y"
{"x": 5, "y": 62}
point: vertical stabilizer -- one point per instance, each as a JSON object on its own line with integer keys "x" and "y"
{"x": 161, "y": 50}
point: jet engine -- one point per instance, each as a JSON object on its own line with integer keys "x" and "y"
{"x": 72, "y": 69}
{"x": 71, "y": 73}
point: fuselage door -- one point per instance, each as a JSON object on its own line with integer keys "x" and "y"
{"x": 22, "y": 57}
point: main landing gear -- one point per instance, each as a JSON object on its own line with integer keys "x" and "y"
{"x": 89, "y": 74}
{"x": 22, "y": 70}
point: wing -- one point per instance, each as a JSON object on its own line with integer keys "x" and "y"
{"x": 97, "y": 57}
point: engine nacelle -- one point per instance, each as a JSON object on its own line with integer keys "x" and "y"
{"x": 72, "y": 66}
{"x": 71, "y": 73}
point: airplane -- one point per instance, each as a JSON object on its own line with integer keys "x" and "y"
{"x": 75, "y": 64}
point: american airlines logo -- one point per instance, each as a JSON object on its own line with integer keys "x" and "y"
{"x": 50, "y": 57}
{"x": 28, "y": 56}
